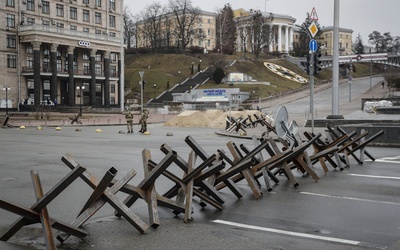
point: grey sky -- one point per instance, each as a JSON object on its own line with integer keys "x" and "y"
{"x": 362, "y": 16}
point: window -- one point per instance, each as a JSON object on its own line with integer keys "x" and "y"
{"x": 209, "y": 20}
{"x": 112, "y": 21}
{"x": 113, "y": 71}
{"x": 97, "y": 17}
{"x": 112, "y": 34}
{"x": 86, "y": 55}
{"x": 45, "y": 22}
{"x": 112, "y": 88}
{"x": 30, "y": 5}
{"x": 30, "y": 20}
{"x": 86, "y": 68}
{"x": 98, "y": 32}
{"x": 209, "y": 32}
{"x": 112, "y": 4}
{"x": 45, "y": 7}
{"x": 10, "y": 3}
{"x": 98, "y": 69}
{"x": 29, "y": 62}
{"x": 113, "y": 57}
{"x": 60, "y": 9}
{"x": 73, "y": 27}
{"x": 31, "y": 84}
{"x": 86, "y": 15}
{"x": 85, "y": 1}
{"x": 11, "y": 41}
{"x": 10, "y": 20}
{"x": 29, "y": 49}
{"x": 98, "y": 58}
{"x": 73, "y": 13}
{"x": 11, "y": 61}
{"x": 208, "y": 42}
{"x": 86, "y": 30}
{"x": 97, "y": 3}
{"x": 60, "y": 25}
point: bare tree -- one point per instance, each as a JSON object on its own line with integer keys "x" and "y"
{"x": 128, "y": 27}
{"x": 185, "y": 16}
{"x": 154, "y": 16}
{"x": 256, "y": 28}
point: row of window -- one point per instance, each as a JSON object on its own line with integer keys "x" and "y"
{"x": 10, "y": 18}
{"x": 30, "y": 4}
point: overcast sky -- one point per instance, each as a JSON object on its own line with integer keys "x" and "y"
{"x": 362, "y": 16}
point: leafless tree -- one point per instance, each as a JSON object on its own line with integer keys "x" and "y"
{"x": 185, "y": 17}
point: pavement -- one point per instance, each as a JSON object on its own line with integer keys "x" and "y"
{"x": 354, "y": 207}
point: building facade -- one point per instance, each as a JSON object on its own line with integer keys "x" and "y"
{"x": 345, "y": 41}
{"x": 61, "y": 51}
{"x": 281, "y": 27}
{"x": 202, "y": 33}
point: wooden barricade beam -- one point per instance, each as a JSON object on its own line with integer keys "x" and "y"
{"x": 203, "y": 155}
{"x": 38, "y": 212}
{"x": 210, "y": 166}
{"x": 108, "y": 196}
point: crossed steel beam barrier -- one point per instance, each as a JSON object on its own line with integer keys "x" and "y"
{"x": 38, "y": 213}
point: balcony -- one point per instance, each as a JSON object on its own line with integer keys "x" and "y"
{"x": 55, "y": 31}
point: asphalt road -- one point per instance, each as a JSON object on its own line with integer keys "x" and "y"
{"x": 358, "y": 208}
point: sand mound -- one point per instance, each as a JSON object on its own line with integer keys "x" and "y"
{"x": 189, "y": 119}
{"x": 209, "y": 118}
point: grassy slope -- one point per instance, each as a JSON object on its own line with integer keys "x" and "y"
{"x": 161, "y": 68}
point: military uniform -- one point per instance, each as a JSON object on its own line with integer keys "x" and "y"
{"x": 129, "y": 121}
{"x": 143, "y": 121}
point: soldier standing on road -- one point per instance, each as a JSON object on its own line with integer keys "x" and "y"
{"x": 129, "y": 121}
{"x": 143, "y": 121}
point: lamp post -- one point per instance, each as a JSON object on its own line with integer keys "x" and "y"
{"x": 80, "y": 89}
{"x": 370, "y": 70}
{"x": 154, "y": 87}
{"x": 198, "y": 69}
{"x": 192, "y": 68}
{"x": 6, "y": 88}
{"x": 141, "y": 73}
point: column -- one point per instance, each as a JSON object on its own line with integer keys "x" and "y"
{"x": 37, "y": 81}
{"x": 271, "y": 49}
{"x": 53, "y": 82}
{"x": 71, "y": 85}
{"x": 291, "y": 38}
{"x": 120, "y": 88}
{"x": 286, "y": 39}
{"x": 92, "y": 87}
{"x": 107, "y": 63}
{"x": 279, "y": 38}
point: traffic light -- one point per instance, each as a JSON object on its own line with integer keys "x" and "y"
{"x": 143, "y": 83}
{"x": 308, "y": 64}
{"x": 317, "y": 62}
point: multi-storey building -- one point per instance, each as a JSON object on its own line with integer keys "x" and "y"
{"x": 325, "y": 40}
{"x": 57, "y": 49}
{"x": 345, "y": 40}
{"x": 202, "y": 32}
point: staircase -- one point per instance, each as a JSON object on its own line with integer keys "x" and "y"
{"x": 187, "y": 85}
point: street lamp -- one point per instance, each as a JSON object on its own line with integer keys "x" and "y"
{"x": 80, "y": 89}
{"x": 6, "y": 88}
{"x": 141, "y": 73}
{"x": 192, "y": 68}
{"x": 154, "y": 87}
{"x": 198, "y": 69}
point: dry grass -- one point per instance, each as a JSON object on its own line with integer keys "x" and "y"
{"x": 174, "y": 68}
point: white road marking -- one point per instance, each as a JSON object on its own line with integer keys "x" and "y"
{"x": 376, "y": 176}
{"x": 351, "y": 198}
{"x": 304, "y": 235}
{"x": 394, "y": 159}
